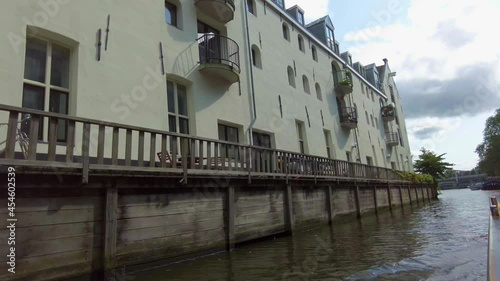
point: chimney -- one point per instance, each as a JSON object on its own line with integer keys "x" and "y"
{"x": 385, "y": 61}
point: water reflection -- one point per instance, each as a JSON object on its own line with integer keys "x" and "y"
{"x": 444, "y": 240}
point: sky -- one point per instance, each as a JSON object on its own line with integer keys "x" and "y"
{"x": 446, "y": 54}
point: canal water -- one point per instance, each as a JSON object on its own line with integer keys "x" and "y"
{"x": 443, "y": 240}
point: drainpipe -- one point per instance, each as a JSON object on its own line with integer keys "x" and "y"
{"x": 355, "y": 130}
{"x": 254, "y": 106}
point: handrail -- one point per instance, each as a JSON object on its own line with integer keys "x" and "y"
{"x": 391, "y": 137}
{"x": 185, "y": 152}
{"x": 348, "y": 114}
{"x": 216, "y": 47}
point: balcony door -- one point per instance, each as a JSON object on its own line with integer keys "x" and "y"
{"x": 209, "y": 43}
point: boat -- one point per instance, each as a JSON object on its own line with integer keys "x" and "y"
{"x": 476, "y": 186}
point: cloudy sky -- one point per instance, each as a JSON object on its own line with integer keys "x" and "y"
{"x": 447, "y": 57}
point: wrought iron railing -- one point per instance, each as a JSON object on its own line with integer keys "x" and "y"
{"x": 342, "y": 78}
{"x": 348, "y": 115}
{"x": 215, "y": 48}
{"x": 388, "y": 112}
{"x": 93, "y": 145}
{"x": 392, "y": 138}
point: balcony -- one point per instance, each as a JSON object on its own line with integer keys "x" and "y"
{"x": 343, "y": 83}
{"x": 348, "y": 118}
{"x": 388, "y": 113}
{"x": 219, "y": 57}
{"x": 220, "y": 10}
{"x": 392, "y": 139}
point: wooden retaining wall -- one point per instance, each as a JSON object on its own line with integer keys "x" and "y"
{"x": 68, "y": 231}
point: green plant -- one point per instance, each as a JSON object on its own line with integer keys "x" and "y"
{"x": 416, "y": 178}
{"x": 345, "y": 82}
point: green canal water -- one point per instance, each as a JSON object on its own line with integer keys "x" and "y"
{"x": 443, "y": 240}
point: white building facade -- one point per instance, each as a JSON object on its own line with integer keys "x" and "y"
{"x": 250, "y": 72}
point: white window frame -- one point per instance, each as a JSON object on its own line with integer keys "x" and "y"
{"x": 176, "y": 113}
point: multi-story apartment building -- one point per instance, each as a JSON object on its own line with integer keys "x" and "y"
{"x": 250, "y": 72}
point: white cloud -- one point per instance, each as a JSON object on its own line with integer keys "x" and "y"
{"x": 452, "y": 34}
{"x": 312, "y": 9}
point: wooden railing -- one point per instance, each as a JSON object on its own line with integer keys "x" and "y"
{"x": 93, "y": 145}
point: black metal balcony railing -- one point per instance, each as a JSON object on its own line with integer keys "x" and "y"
{"x": 392, "y": 138}
{"x": 219, "y": 49}
{"x": 388, "y": 113}
{"x": 348, "y": 115}
{"x": 94, "y": 145}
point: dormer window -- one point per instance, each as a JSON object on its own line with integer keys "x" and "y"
{"x": 300, "y": 17}
{"x": 330, "y": 38}
{"x": 349, "y": 60}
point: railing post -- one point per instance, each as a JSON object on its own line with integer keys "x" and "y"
{"x": 85, "y": 153}
{"x": 10, "y": 145}
{"x": 184, "y": 155}
{"x": 375, "y": 200}
{"x": 389, "y": 195}
{"x": 249, "y": 164}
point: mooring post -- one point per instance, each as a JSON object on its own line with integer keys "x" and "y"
{"x": 401, "y": 197}
{"x": 230, "y": 218}
{"x": 358, "y": 203}
{"x": 110, "y": 230}
{"x": 389, "y": 195}
{"x": 329, "y": 207}
{"x": 375, "y": 201}
{"x": 289, "y": 220}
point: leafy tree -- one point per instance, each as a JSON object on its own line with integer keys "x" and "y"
{"x": 432, "y": 164}
{"x": 489, "y": 149}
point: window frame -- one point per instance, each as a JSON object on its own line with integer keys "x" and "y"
{"x": 176, "y": 114}
{"x": 251, "y": 7}
{"x": 49, "y": 90}
{"x": 172, "y": 7}
{"x": 306, "y": 85}
{"x": 300, "y": 41}
{"x": 301, "y": 137}
{"x": 291, "y": 77}
{"x": 314, "y": 53}
{"x": 286, "y": 32}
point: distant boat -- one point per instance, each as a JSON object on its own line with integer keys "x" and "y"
{"x": 491, "y": 185}
{"x": 476, "y": 186}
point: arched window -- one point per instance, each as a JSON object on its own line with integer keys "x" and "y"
{"x": 291, "y": 76}
{"x": 286, "y": 32}
{"x": 314, "y": 53}
{"x": 256, "y": 57}
{"x": 301, "y": 43}
{"x": 318, "y": 92}
{"x": 305, "y": 82}
{"x": 251, "y": 7}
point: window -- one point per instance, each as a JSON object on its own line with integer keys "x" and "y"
{"x": 46, "y": 81}
{"x": 362, "y": 89}
{"x": 301, "y": 136}
{"x": 371, "y": 118}
{"x": 256, "y": 58}
{"x": 229, "y": 134}
{"x": 400, "y": 138}
{"x": 261, "y": 139}
{"x": 300, "y": 17}
{"x": 369, "y": 161}
{"x": 280, "y": 3}
{"x": 291, "y": 76}
{"x": 305, "y": 82}
{"x": 392, "y": 94}
{"x": 328, "y": 142}
{"x": 300, "y": 40}
{"x": 373, "y": 97}
{"x": 367, "y": 118}
{"x": 178, "y": 117}
{"x": 314, "y": 53}
{"x": 286, "y": 32}
{"x": 376, "y": 122}
{"x": 171, "y": 14}
{"x": 348, "y": 156}
{"x": 251, "y": 7}
{"x": 318, "y": 92}
{"x": 330, "y": 39}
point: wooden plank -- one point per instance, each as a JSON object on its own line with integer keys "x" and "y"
{"x": 230, "y": 218}
{"x": 140, "y": 152}
{"x": 184, "y": 156}
{"x": 329, "y": 202}
{"x": 201, "y": 154}
{"x": 101, "y": 144}
{"x": 115, "y": 146}
{"x": 128, "y": 148}
{"x": 163, "y": 157}
{"x": 216, "y": 155}
{"x": 33, "y": 137}
{"x": 152, "y": 150}
{"x": 85, "y": 153}
{"x": 53, "y": 124}
{"x": 357, "y": 201}
{"x": 209, "y": 155}
{"x": 10, "y": 145}
{"x": 70, "y": 142}
{"x": 375, "y": 200}
{"x": 110, "y": 229}
{"x": 192, "y": 152}
{"x": 174, "y": 152}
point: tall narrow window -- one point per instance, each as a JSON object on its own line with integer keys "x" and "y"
{"x": 318, "y": 92}
{"x": 171, "y": 14}
{"x": 256, "y": 57}
{"x": 229, "y": 134}
{"x": 348, "y": 156}
{"x": 373, "y": 122}
{"x": 46, "y": 81}
{"x": 261, "y": 139}
{"x": 400, "y": 138}
{"x": 178, "y": 117}
{"x": 367, "y": 118}
{"x": 291, "y": 76}
{"x": 251, "y": 7}
{"x": 301, "y": 17}
{"x": 330, "y": 38}
{"x": 301, "y": 137}
{"x": 305, "y": 82}
{"x": 314, "y": 53}
{"x": 286, "y": 32}
{"x": 328, "y": 142}
{"x": 300, "y": 41}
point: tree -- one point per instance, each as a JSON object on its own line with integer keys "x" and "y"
{"x": 432, "y": 164}
{"x": 489, "y": 149}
